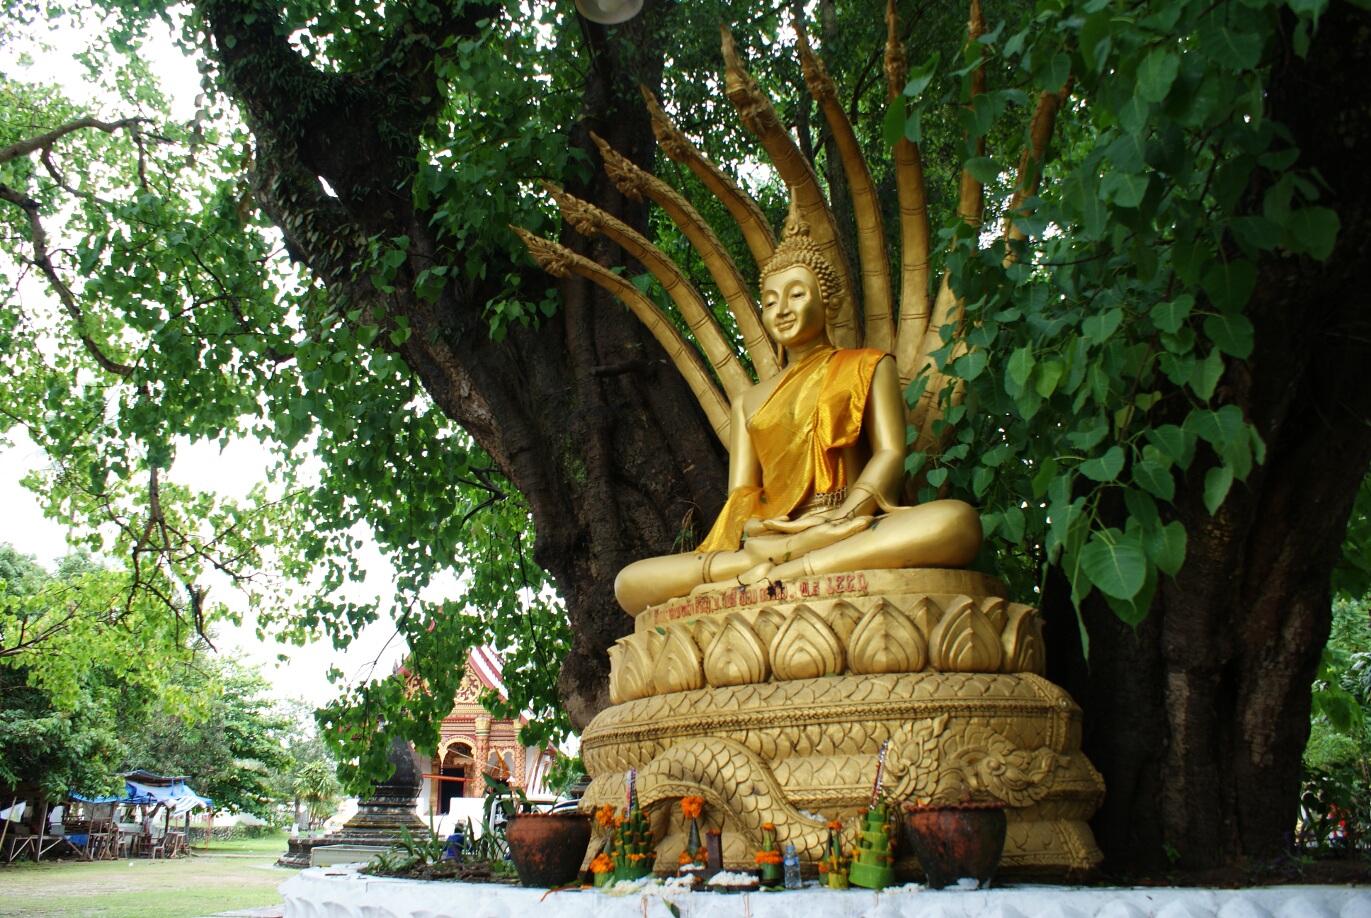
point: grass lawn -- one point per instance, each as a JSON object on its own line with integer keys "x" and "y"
{"x": 273, "y": 844}
{"x": 140, "y": 888}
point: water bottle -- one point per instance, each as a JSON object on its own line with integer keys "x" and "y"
{"x": 791, "y": 864}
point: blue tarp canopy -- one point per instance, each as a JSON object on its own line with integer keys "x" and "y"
{"x": 145, "y": 788}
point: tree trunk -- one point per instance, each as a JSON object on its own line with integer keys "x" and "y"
{"x": 583, "y": 413}
{"x": 1213, "y": 686}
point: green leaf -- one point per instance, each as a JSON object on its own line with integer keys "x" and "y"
{"x": 893, "y": 125}
{"x": 1217, "y": 481}
{"x": 1052, "y": 75}
{"x": 1340, "y": 707}
{"x": 1231, "y": 333}
{"x": 1166, "y": 547}
{"x": 936, "y": 477}
{"x": 1216, "y": 427}
{"x": 1315, "y": 229}
{"x": 1115, "y": 563}
{"x": 971, "y": 364}
{"x": 1046, "y": 376}
{"x": 1096, "y": 39}
{"x": 1014, "y": 524}
{"x": 1126, "y": 153}
{"x": 1226, "y": 44}
{"x": 1134, "y": 115}
{"x": 920, "y": 77}
{"x": 1101, "y": 325}
{"x": 1169, "y": 315}
{"x": 1172, "y": 442}
{"x": 1089, "y": 437}
{"x": 1209, "y": 371}
{"x": 1020, "y": 367}
{"x": 1124, "y": 189}
{"x": 1229, "y": 285}
{"x": 1106, "y": 467}
{"x": 1156, "y": 73}
{"x": 1132, "y": 611}
{"x": 914, "y": 126}
{"x": 1155, "y": 478}
{"x": 983, "y": 169}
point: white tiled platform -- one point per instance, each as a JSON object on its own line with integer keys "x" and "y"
{"x": 341, "y": 893}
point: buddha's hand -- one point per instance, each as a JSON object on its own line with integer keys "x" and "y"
{"x": 785, "y": 525}
{"x": 779, "y": 547}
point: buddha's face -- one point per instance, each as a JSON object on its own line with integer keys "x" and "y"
{"x": 792, "y": 307}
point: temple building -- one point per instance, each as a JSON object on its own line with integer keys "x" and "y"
{"x": 472, "y": 741}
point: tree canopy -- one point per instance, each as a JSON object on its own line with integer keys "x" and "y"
{"x": 1166, "y": 441}
{"x": 90, "y": 689}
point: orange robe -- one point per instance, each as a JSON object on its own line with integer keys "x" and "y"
{"x": 799, "y": 433}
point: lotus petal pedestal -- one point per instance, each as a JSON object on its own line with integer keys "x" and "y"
{"x": 773, "y": 705}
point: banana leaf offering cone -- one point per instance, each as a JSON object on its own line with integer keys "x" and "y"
{"x": 634, "y": 849}
{"x": 833, "y": 867}
{"x": 769, "y": 860}
{"x": 873, "y": 860}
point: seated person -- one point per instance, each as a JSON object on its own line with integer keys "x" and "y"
{"x": 816, "y": 461}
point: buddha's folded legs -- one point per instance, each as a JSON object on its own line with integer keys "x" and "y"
{"x": 941, "y": 533}
{"x": 944, "y": 533}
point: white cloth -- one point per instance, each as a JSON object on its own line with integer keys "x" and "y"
{"x": 14, "y": 813}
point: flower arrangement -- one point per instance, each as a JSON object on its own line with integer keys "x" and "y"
{"x": 603, "y": 865}
{"x": 603, "y": 869}
{"x": 833, "y": 866}
{"x": 769, "y": 857}
{"x": 693, "y": 856}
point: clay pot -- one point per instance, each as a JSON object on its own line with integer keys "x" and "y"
{"x": 961, "y": 840}
{"x": 547, "y": 848}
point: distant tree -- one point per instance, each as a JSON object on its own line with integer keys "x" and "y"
{"x": 76, "y": 671}
{"x": 316, "y": 786}
{"x": 231, "y": 747}
{"x": 310, "y": 760}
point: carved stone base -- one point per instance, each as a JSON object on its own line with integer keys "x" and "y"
{"x": 780, "y": 715}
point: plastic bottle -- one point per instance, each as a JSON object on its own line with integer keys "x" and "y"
{"x": 791, "y": 864}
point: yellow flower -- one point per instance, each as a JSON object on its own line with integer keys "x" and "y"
{"x": 691, "y": 807}
{"x": 601, "y": 864}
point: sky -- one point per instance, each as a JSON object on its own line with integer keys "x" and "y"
{"x": 231, "y": 473}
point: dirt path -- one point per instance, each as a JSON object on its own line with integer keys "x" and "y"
{"x": 181, "y": 888}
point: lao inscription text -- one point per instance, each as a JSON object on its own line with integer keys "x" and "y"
{"x": 825, "y": 587}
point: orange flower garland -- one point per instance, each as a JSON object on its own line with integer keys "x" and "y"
{"x": 692, "y": 807}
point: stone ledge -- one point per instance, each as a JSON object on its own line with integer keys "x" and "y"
{"x": 337, "y": 893}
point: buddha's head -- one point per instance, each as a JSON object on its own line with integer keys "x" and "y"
{"x": 800, "y": 290}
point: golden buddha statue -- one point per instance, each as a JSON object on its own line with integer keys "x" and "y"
{"x": 817, "y": 452}
{"x": 822, "y": 637}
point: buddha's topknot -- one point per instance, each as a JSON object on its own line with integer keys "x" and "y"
{"x": 797, "y": 248}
